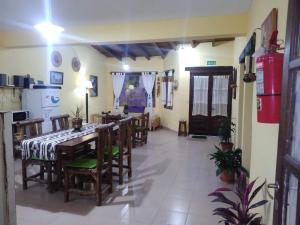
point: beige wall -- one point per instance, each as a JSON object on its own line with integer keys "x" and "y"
{"x": 36, "y": 62}
{"x": 263, "y": 137}
{"x": 141, "y": 64}
{"x": 190, "y": 57}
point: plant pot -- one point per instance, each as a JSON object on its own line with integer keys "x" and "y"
{"x": 77, "y": 124}
{"x": 227, "y": 177}
{"x": 226, "y": 146}
{"x": 125, "y": 110}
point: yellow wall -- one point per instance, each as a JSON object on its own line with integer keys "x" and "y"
{"x": 179, "y": 29}
{"x": 263, "y": 137}
{"x": 141, "y": 64}
{"x": 190, "y": 57}
{"x": 36, "y": 62}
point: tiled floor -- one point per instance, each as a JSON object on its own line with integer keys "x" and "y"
{"x": 171, "y": 179}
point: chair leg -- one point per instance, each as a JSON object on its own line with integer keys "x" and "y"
{"x": 129, "y": 165}
{"x": 24, "y": 174}
{"x": 49, "y": 176}
{"x": 66, "y": 179}
{"x": 42, "y": 172}
{"x": 121, "y": 170}
{"x": 98, "y": 190}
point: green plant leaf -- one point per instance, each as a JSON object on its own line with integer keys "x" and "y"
{"x": 258, "y": 204}
{"x": 254, "y": 193}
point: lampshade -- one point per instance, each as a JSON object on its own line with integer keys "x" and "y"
{"x": 88, "y": 84}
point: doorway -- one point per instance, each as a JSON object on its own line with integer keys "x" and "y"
{"x": 210, "y": 98}
{"x": 287, "y": 186}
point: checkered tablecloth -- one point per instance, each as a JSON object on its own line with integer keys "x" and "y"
{"x": 43, "y": 147}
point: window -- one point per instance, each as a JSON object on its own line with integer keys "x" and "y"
{"x": 133, "y": 91}
{"x": 167, "y": 89}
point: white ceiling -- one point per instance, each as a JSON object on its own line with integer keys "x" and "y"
{"x": 16, "y": 13}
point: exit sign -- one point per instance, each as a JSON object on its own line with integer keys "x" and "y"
{"x": 211, "y": 62}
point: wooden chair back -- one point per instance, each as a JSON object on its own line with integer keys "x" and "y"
{"x": 104, "y": 143}
{"x": 60, "y": 122}
{"x": 125, "y": 133}
{"x": 108, "y": 118}
{"x": 29, "y": 128}
{"x": 145, "y": 120}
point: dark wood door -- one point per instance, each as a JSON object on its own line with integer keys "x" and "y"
{"x": 208, "y": 124}
{"x": 287, "y": 195}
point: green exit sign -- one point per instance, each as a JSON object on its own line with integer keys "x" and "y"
{"x": 211, "y": 62}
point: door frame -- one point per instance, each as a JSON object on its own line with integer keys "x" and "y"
{"x": 210, "y": 71}
{"x": 291, "y": 64}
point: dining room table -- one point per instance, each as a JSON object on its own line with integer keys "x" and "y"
{"x": 55, "y": 146}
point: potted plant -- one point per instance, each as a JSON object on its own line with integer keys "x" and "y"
{"x": 226, "y": 128}
{"x": 77, "y": 120}
{"x": 240, "y": 212}
{"x": 229, "y": 163}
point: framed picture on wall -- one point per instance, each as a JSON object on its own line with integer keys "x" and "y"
{"x": 56, "y": 78}
{"x": 94, "y": 90}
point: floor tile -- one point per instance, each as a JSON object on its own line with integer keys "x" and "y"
{"x": 171, "y": 179}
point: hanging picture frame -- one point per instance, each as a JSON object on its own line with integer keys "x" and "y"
{"x": 94, "y": 89}
{"x": 56, "y": 77}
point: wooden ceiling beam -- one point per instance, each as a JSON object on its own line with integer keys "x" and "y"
{"x": 144, "y": 50}
{"x": 173, "y": 45}
{"x": 159, "y": 51}
{"x": 114, "y": 54}
{"x": 102, "y": 50}
{"x": 195, "y": 43}
{"x": 217, "y": 42}
{"x": 127, "y": 52}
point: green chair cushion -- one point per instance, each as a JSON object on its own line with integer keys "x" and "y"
{"x": 139, "y": 128}
{"x": 115, "y": 151}
{"x": 83, "y": 164}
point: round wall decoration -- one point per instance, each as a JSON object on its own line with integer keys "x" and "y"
{"x": 56, "y": 58}
{"x": 76, "y": 64}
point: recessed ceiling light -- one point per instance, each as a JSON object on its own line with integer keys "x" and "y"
{"x": 49, "y": 31}
{"x": 126, "y": 67}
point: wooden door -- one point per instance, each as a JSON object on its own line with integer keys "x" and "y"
{"x": 287, "y": 195}
{"x": 208, "y": 124}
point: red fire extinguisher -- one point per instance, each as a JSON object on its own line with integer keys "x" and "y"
{"x": 268, "y": 87}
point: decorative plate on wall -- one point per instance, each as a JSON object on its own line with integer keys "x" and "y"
{"x": 76, "y": 64}
{"x": 56, "y": 58}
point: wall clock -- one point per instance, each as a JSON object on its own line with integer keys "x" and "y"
{"x": 56, "y": 58}
{"x": 76, "y": 64}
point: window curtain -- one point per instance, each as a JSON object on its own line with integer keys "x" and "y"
{"x": 118, "y": 82}
{"x": 220, "y": 95}
{"x": 163, "y": 87}
{"x": 148, "y": 81}
{"x": 170, "y": 89}
{"x": 200, "y": 99}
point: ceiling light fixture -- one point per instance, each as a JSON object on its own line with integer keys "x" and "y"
{"x": 50, "y": 31}
{"x": 125, "y": 66}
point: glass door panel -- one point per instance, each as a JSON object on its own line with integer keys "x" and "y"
{"x": 291, "y": 186}
{"x": 295, "y": 145}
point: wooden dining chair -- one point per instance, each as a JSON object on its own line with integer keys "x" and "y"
{"x": 60, "y": 122}
{"x": 109, "y": 118}
{"x": 121, "y": 150}
{"x": 140, "y": 129}
{"x": 29, "y": 129}
{"x": 96, "y": 170}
